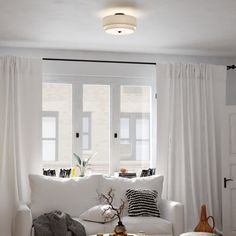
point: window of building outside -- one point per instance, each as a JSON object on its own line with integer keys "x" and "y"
{"x": 86, "y": 131}
{"x": 135, "y": 136}
{"x": 50, "y": 136}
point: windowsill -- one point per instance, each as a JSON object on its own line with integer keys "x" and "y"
{"x": 56, "y": 164}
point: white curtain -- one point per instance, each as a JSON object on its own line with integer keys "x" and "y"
{"x": 190, "y": 100}
{"x": 20, "y": 133}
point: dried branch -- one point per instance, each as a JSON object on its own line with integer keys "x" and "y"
{"x": 110, "y": 217}
{"x": 108, "y": 199}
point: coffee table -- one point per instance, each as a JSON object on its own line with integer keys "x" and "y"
{"x": 101, "y": 234}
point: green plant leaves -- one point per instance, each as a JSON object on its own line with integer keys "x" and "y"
{"x": 78, "y": 159}
{"x": 85, "y": 162}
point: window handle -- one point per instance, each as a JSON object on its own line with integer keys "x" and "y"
{"x": 77, "y": 135}
{"x": 115, "y": 135}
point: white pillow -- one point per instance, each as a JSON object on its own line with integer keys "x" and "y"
{"x": 72, "y": 196}
{"x": 99, "y": 214}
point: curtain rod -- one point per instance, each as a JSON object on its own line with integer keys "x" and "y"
{"x": 232, "y": 67}
{"x": 101, "y": 61}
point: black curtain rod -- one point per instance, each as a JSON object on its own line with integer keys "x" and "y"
{"x": 101, "y": 61}
{"x": 232, "y": 67}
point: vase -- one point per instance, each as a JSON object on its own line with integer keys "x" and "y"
{"x": 203, "y": 225}
{"x": 82, "y": 172}
{"x": 120, "y": 229}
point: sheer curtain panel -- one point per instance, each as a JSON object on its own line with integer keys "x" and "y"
{"x": 190, "y": 103}
{"x": 20, "y": 133}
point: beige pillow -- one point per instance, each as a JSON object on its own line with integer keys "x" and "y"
{"x": 99, "y": 214}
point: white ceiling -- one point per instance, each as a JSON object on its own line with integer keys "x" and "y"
{"x": 201, "y": 27}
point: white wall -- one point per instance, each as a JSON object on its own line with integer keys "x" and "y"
{"x": 114, "y": 56}
{"x": 130, "y": 69}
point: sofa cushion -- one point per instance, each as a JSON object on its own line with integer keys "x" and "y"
{"x": 142, "y": 202}
{"x": 99, "y": 214}
{"x": 150, "y": 225}
{"x": 121, "y": 185}
{"x": 72, "y": 196}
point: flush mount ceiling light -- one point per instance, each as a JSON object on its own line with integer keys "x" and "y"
{"x": 119, "y": 24}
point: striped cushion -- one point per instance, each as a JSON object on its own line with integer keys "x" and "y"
{"x": 142, "y": 202}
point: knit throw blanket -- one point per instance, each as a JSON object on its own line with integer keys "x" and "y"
{"x": 57, "y": 223}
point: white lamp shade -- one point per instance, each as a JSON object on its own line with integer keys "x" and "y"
{"x": 119, "y": 24}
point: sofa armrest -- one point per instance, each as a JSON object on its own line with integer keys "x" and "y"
{"x": 23, "y": 221}
{"x": 173, "y": 212}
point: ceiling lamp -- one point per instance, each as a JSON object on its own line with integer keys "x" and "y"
{"x": 119, "y": 24}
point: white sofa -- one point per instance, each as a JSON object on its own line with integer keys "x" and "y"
{"x": 75, "y": 196}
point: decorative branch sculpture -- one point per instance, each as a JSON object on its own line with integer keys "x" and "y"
{"x": 108, "y": 199}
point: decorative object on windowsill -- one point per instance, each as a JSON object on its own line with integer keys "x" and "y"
{"x": 128, "y": 175}
{"x": 108, "y": 198}
{"x": 65, "y": 173}
{"x": 123, "y": 170}
{"x": 73, "y": 172}
{"x": 203, "y": 225}
{"x": 148, "y": 172}
{"x": 83, "y": 164}
{"x": 49, "y": 172}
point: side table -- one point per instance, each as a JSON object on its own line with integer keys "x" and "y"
{"x": 197, "y": 234}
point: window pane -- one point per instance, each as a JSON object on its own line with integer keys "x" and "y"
{"x": 125, "y": 150}
{"x": 85, "y": 124}
{"x": 142, "y": 129}
{"x": 85, "y": 142}
{"x": 57, "y": 97}
{"x": 135, "y": 99}
{"x": 142, "y": 150}
{"x": 135, "y": 105}
{"x": 124, "y": 128}
{"x": 124, "y": 141}
{"x": 96, "y": 101}
{"x": 49, "y": 127}
{"x": 49, "y": 150}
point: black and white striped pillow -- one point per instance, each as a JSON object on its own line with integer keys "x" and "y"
{"x": 142, "y": 202}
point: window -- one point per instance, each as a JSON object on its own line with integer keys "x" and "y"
{"x": 97, "y": 108}
{"x": 50, "y": 136}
